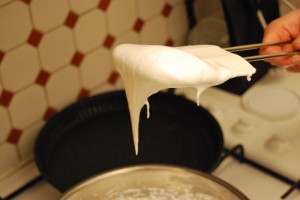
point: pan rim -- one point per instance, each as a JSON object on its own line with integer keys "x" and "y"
{"x": 48, "y": 128}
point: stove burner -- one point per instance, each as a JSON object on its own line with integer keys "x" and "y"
{"x": 274, "y": 103}
{"x": 277, "y": 144}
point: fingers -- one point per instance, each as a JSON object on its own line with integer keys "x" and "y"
{"x": 285, "y": 28}
{"x": 291, "y": 63}
{"x": 274, "y": 49}
{"x": 294, "y": 68}
{"x": 285, "y": 62}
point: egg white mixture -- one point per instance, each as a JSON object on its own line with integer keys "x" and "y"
{"x": 147, "y": 69}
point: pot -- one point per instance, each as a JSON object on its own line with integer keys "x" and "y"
{"x": 153, "y": 182}
{"x": 94, "y": 135}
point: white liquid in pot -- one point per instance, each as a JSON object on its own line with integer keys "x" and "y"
{"x": 147, "y": 69}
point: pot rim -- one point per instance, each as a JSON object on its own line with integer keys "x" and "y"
{"x": 142, "y": 167}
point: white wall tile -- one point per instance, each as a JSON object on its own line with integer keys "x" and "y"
{"x": 21, "y": 72}
{"x": 56, "y": 48}
{"x": 3, "y": 2}
{"x": 178, "y": 22}
{"x": 204, "y": 8}
{"x": 180, "y": 41}
{"x": 121, "y": 16}
{"x": 129, "y": 37}
{"x": 96, "y": 68}
{"x": 27, "y": 141}
{"x": 106, "y": 87}
{"x": 148, "y": 9}
{"x": 15, "y": 25}
{"x": 81, "y": 6}
{"x": 5, "y": 125}
{"x": 175, "y": 2}
{"x": 154, "y": 31}
{"x": 8, "y": 157}
{"x": 90, "y": 30}
{"x": 48, "y": 14}
{"x": 28, "y": 107}
{"x": 86, "y": 39}
{"x": 119, "y": 85}
{"x": 63, "y": 87}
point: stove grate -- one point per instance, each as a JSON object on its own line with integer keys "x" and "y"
{"x": 238, "y": 153}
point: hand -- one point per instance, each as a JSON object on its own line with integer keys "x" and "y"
{"x": 285, "y": 28}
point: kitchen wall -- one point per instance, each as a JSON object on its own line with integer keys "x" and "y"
{"x": 54, "y": 52}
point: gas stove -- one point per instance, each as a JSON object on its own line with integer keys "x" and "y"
{"x": 263, "y": 124}
{"x": 261, "y": 133}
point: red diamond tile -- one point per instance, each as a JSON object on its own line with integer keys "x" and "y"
{"x": 35, "y": 37}
{"x": 113, "y": 78}
{"x": 26, "y": 1}
{"x": 77, "y": 58}
{"x": 6, "y": 97}
{"x": 138, "y": 25}
{"x": 71, "y": 20}
{"x": 103, "y": 5}
{"x": 169, "y": 42}
{"x": 109, "y": 41}
{"x": 166, "y": 10}
{"x": 49, "y": 113}
{"x": 42, "y": 78}
{"x": 14, "y": 136}
{"x": 1, "y": 56}
{"x": 83, "y": 93}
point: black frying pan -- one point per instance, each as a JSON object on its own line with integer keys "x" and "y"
{"x": 94, "y": 135}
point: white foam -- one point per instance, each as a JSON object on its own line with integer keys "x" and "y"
{"x": 147, "y": 69}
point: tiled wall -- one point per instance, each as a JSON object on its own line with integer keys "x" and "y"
{"x": 54, "y": 52}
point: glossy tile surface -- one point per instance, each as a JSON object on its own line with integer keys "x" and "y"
{"x": 90, "y": 30}
{"x": 116, "y": 12}
{"x": 21, "y": 72}
{"x": 53, "y": 53}
{"x": 63, "y": 87}
{"x": 48, "y": 14}
{"x": 5, "y": 124}
{"x": 149, "y": 9}
{"x": 14, "y": 28}
{"x": 95, "y": 68}
{"x": 28, "y": 107}
{"x": 9, "y": 157}
{"x": 82, "y": 6}
{"x": 56, "y": 49}
{"x": 155, "y": 31}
